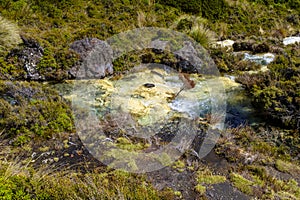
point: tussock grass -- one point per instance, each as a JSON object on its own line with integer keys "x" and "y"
{"x": 19, "y": 181}
{"x": 196, "y": 27}
{"x": 9, "y": 35}
{"x": 202, "y": 34}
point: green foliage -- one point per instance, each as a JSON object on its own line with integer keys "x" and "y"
{"x": 56, "y": 24}
{"x": 14, "y": 188}
{"x": 17, "y": 183}
{"x": 293, "y": 4}
{"x": 242, "y": 183}
{"x": 10, "y": 71}
{"x": 206, "y": 177}
{"x": 214, "y": 9}
{"x": 277, "y": 91}
{"x": 227, "y": 62}
{"x": 9, "y": 35}
{"x": 28, "y": 111}
{"x": 193, "y": 7}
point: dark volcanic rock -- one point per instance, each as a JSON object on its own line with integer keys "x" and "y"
{"x": 29, "y": 57}
{"x": 261, "y": 48}
{"x": 251, "y": 45}
{"x": 96, "y": 59}
{"x": 225, "y": 191}
{"x": 243, "y": 45}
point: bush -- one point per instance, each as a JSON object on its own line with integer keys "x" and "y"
{"x": 213, "y": 9}
{"x": 28, "y": 110}
{"x": 9, "y": 35}
{"x": 277, "y": 92}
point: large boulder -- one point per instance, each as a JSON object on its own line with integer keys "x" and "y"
{"x": 95, "y": 59}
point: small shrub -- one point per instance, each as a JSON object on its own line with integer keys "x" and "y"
{"x": 29, "y": 110}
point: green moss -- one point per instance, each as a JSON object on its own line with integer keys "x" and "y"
{"x": 200, "y": 189}
{"x": 285, "y": 166}
{"x": 179, "y": 165}
{"x": 215, "y": 9}
{"x": 244, "y": 185}
{"x": 206, "y": 177}
{"x": 126, "y": 144}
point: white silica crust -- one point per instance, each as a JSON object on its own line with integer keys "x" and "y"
{"x": 291, "y": 40}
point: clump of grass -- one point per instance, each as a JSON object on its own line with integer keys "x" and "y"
{"x": 9, "y": 35}
{"x": 19, "y": 181}
{"x": 257, "y": 182}
{"x": 202, "y": 34}
{"x": 196, "y": 27}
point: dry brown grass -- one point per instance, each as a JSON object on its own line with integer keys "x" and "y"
{"x": 9, "y": 35}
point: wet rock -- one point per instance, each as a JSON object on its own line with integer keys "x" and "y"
{"x": 159, "y": 45}
{"x": 96, "y": 59}
{"x": 171, "y": 178}
{"x": 29, "y": 57}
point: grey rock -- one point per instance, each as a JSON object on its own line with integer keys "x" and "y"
{"x": 96, "y": 59}
{"x": 189, "y": 60}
